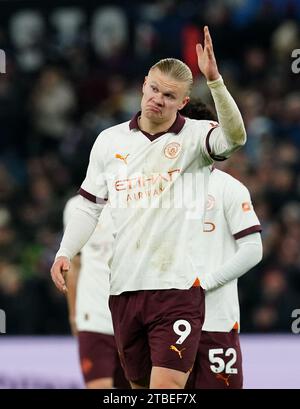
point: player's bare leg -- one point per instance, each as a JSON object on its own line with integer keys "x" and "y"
{"x": 165, "y": 378}
{"x": 100, "y": 383}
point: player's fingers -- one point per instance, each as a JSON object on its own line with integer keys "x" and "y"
{"x": 66, "y": 266}
{"x": 199, "y": 50}
{"x": 58, "y": 281}
{"x": 57, "y": 275}
{"x": 207, "y": 37}
{"x": 209, "y": 45}
{"x": 61, "y": 287}
{"x": 210, "y": 52}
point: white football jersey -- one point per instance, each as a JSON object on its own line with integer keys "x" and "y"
{"x": 92, "y": 311}
{"x": 229, "y": 216}
{"x": 156, "y": 189}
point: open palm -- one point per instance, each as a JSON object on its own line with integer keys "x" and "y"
{"x": 206, "y": 58}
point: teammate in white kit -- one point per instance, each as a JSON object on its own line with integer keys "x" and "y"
{"x": 149, "y": 169}
{"x": 232, "y": 246}
{"x": 88, "y": 306}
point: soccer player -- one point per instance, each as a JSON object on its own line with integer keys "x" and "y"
{"x": 90, "y": 318}
{"x": 232, "y": 247}
{"x": 153, "y": 171}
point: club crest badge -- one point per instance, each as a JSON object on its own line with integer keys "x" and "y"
{"x": 210, "y": 203}
{"x": 172, "y": 150}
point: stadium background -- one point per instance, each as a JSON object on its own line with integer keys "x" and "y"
{"x": 73, "y": 69}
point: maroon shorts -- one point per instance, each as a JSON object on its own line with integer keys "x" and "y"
{"x": 157, "y": 328}
{"x": 99, "y": 358}
{"x": 219, "y": 362}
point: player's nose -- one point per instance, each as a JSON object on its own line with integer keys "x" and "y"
{"x": 159, "y": 100}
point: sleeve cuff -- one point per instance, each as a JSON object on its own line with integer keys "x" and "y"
{"x": 216, "y": 83}
{"x": 63, "y": 253}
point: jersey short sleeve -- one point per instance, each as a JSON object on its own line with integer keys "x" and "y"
{"x": 241, "y": 217}
{"x": 218, "y": 146}
{"x": 215, "y": 144}
{"x": 94, "y": 186}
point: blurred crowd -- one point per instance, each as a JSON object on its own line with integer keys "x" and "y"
{"x": 72, "y": 71}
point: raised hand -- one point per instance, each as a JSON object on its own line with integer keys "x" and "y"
{"x": 206, "y": 58}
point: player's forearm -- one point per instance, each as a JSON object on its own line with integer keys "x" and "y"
{"x": 229, "y": 116}
{"x": 249, "y": 254}
{"x": 79, "y": 229}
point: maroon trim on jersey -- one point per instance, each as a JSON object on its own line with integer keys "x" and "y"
{"x": 246, "y": 232}
{"x": 214, "y": 157}
{"x": 175, "y": 127}
{"x": 91, "y": 197}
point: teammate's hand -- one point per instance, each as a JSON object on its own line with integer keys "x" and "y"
{"x": 206, "y": 58}
{"x": 58, "y": 270}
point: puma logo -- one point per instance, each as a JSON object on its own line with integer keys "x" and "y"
{"x": 86, "y": 365}
{"x": 220, "y": 376}
{"x": 121, "y": 157}
{"x": 173, "y": 348}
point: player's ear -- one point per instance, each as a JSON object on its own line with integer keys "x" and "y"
{"x": 185, "y": 101}
{"x": 144, "y": 83}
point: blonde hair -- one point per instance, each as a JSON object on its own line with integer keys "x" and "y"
{"x": 175, "y": 69}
